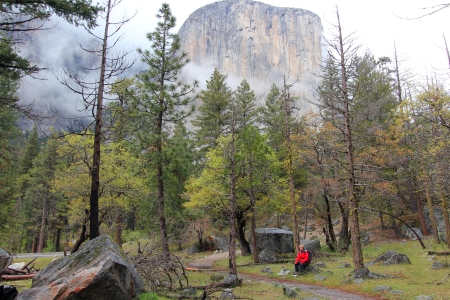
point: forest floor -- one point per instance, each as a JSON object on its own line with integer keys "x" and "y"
{"x": 207, "y": 263}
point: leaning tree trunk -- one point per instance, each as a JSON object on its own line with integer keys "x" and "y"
{"x": 240, "y": 230}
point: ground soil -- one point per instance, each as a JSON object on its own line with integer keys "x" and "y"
{"x": 320, "y": 291}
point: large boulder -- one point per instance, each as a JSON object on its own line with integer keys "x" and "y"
{"x": 438, "y": 213}
{"x": 274, "y": 239}
{"x": 5, "y": 260}
{"x": 280, "y": 241}
{"x": 100, "y": 270}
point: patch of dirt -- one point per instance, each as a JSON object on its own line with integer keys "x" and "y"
{"x": 324, "y": 292}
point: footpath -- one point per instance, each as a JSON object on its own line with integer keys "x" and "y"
{"x": 320, "y": 291}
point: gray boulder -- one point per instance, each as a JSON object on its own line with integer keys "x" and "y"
{"x": 280, "y": 241}
{"x": 5, "y": 260}
{"x": 390, "y": 258}
{"x": 274, "y": 239}
{"x": 311, "y": 245}
{"x": 410, "y": 234}
{"x": 438, "y": 213}
{"x": 100, "y": 270}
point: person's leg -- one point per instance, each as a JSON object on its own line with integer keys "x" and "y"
{"x": 302, "y": 267}
{"x": 296, "y": 267}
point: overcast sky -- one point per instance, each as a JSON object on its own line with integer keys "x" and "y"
{"x": 377, "y": 25}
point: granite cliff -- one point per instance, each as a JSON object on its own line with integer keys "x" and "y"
{"x": 253, "y": 40}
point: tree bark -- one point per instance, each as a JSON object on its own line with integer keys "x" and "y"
{"x": 94, "y": 229}
{"x": 349, "y": 149}
{"x": 243, "y": 243}
{"x": 42, "y": 233}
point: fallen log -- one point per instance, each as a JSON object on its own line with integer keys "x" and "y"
{"x": 438, "y": 253}
{"x": 17, "y": 277}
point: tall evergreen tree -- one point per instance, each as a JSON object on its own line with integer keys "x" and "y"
{"x": 30, "y": 151}
{"x": 161, "y": 102}
{"x": 214, "y": 115}
{"x": 245, "y": 101}
{"x": 39, "y": 195}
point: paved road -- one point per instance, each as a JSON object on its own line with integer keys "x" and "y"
{"x": 33, "y": 255}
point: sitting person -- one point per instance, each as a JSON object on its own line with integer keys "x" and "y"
{"x": 302, "y": 261}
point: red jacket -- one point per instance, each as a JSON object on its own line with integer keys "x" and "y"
{"x": 302, "y": 257}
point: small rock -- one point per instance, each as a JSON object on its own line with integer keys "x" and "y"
{"x": 320, "y": 277}
{"x": 358, "y": 281}
{"x": 284, "y": 272}
{"x": 267, "y": 270}
{"x": 437, "y": 265}
{"x": 231, "y": 280}
{"x": 275, "y": 284}
{"x": 329, "y": 272}
{"x": 397, "y": 292}
{"x": 289, "y": 292}
{"x": 365, "y": 273}
{"x": 423, "y": 297}
{"x": 227, "y": 294}
{"x": 320, "y": 264}
{"x": 382, "y": 288}
{"x": 346, "y": 265}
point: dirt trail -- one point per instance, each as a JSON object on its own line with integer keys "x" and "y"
{"x": 324, "y": 292}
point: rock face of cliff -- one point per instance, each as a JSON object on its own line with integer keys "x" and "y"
{"x": 250, "y": 39}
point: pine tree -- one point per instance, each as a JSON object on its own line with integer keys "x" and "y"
{"x": 39, "y": 195}
{"x": 161, "y": 102}
{"x": 214, "y": 115}
{"x": 30, "y": 151}
{"x": 245, "y": 101}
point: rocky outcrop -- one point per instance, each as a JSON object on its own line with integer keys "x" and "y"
{"x": 250, "y": 39}
{"x": 100, "y": 270}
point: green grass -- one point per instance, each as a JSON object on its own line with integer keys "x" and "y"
{"x": 415, "y": 279}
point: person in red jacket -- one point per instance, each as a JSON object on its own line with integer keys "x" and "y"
{"x": 303, "y": 259}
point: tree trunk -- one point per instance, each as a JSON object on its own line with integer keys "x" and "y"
{"x": 58, "y": 239}
{"x": 349, "y": 151}
{"x": 344, "y": 237}
{"x": 430, "y": 204}
{"x": 290, "y": 166}
{"x": 423, "y": 224}
{"x": 232, "y": 218}
{"x": 306, "y": 224}
{"x": 329, "y": 222}
{"x": 94, "y": 227}
{"x": 394, "y": 225}
{"x": 118, "y": 229}
{"x": 252, "y": 212}
{"x": 41, "y": 235}
{"x": 243, "y": 243}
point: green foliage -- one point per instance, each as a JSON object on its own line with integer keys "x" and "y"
{"x": 245, "y": 106}
{"x": 214, "y": 115}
